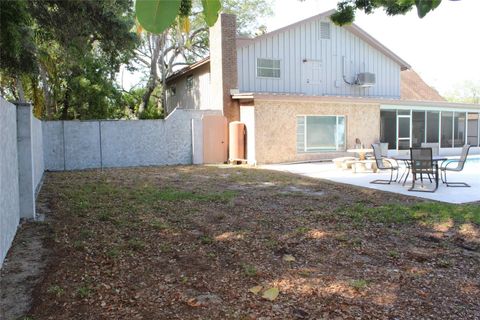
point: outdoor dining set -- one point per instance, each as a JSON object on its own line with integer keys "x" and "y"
{"x": 421, "y": 163}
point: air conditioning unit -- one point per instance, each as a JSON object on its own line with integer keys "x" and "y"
{"x": 365, "y": 79}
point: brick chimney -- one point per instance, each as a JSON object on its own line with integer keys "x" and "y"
{"x": 223, "y": 65}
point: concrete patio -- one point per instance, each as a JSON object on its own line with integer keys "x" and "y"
{"x": 327, "y": 170}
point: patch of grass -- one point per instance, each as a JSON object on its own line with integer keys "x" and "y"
{"x": 271, "y": 243}
{"x": 56, "y": 290}
{"x": 183, "y": 279}
{"x": 85, "y": 234}
{"x": 356, "y": 242}
{"x": 249, "y": 270}
{"x": 84, "y": 291}
{"x": 302, "y": 230}
{"x": 149, "y": 195}
{"x": 206, "y": 240}
{"x": 158, "y": 225}
{"x": 79, "y": 245}
{"x": 136, "y": 244}
{"x": 165, "y": 247}
{"x": 113, "y": 253}
{"x": 444, "y": 263}
{"x": 393, "y": 254}
{"x": 359, "y": 284}
{"x": 428, "y": 213}
{"x": 104, "y": 216}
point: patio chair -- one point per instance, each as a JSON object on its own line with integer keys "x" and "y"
{"x": 435, "y": 147}
{"x": 421, "y": 162}
{"x": 384, "y": 164}
{"x": 449, "y": 165}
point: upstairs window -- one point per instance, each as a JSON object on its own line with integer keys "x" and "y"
{"x": 172, "y": 91}
{"x": 189, "y": 83}
{"x": 268, "y": 68}
{"x": 325, "y": 30}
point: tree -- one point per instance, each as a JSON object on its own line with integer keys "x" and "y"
{"x": 178, "y": 45}
{"x": 465, "y": 92}
{"x": 17, "y": 50}
{"x": 345, "y": 13}
{"x": 78, "y": 46}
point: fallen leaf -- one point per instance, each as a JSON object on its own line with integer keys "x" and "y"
{"x": 288, "y": 258}
{"x": 256, "y": 289}
{"x": 193, "y": 303}
{"x": 270, "y": 294}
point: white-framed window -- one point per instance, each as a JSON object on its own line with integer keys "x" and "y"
{"x": 268, "y": 68}
{"x": 172, "y": 91}
{"x": 189, "y": 83}
{"x": 320, "y": 133}
{"x": 325, "y": 31}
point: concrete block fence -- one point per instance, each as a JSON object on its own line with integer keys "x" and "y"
{"x": 21, "y": 168}
{"x": 29, "y": 146}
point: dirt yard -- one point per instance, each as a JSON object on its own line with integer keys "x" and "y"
{"x": 237, "y": 243}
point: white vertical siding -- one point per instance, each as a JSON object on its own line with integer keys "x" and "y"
{"x": 291, "y": 46}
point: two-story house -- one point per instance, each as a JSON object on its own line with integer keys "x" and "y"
{"x": 311, "y": 89}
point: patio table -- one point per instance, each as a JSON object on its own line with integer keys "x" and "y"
{"x": 361, "y": 152}
{"x": 406, "y": 160}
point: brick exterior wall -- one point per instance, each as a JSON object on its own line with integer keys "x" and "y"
{"x": 223, "y": 65}
{"x": 275, "y": 127}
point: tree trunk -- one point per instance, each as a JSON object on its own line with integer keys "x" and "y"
{"x": 46, "y": 93}
{"x": 21, "y": 92}
{"x": 152, "y": 80}
{"x": 66, "y": 104}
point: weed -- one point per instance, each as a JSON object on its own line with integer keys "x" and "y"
{"x": 56, "y": 290}
{"x": 443, "y": 263}
{"x": 359, "y": 284}
{"x": 113, "y": 253}
{"x": 249, "y": 270}
{"x": 136, "y": 244}
{"x": 79, "y": 245}
{"x": 158, "y": 225}
{"x": 183, "y": 279}
{"x": 84, "y": 291}
{"x": 302, "y": 230}
{"x": 85, "y": 234}
{"x": 356, "y": 242}
{"x": 149, "y": 195}
{"x": 165, "y": 247}
{"x": 206, "y": 240}
{"x": 393, "y": 254}
{"x": 104, "y": 216}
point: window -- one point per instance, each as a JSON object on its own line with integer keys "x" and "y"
{"x": 189, "y": 84}
{"x": 459, "y": 124}
{"x": 320, "y": 133}
{"x": 433, "y": 123}
{"x": 447, "y": 130}
{"x": 268, "y": 68}
{"x": 324, "y": 30}
{"x": 418, "y": 128}
{"x": 473, "y": 126}
{"x": 388, "y": 128}
{"x": 173, "y": 91}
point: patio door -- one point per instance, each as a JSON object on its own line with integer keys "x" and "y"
{"x": 404, "y": 129}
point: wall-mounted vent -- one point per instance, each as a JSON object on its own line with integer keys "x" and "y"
{"x": 325, "y": 32}
{"x": 365, "y": 79}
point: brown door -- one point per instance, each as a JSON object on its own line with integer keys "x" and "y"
{"x": 215, "y": 139}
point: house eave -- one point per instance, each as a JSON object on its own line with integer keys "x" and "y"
{"x": 362, "y": 100}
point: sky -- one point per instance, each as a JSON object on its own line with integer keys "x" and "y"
{"x": 443, "y": 47}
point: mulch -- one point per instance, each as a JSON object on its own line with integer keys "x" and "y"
{"x": 190, "y": 242}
